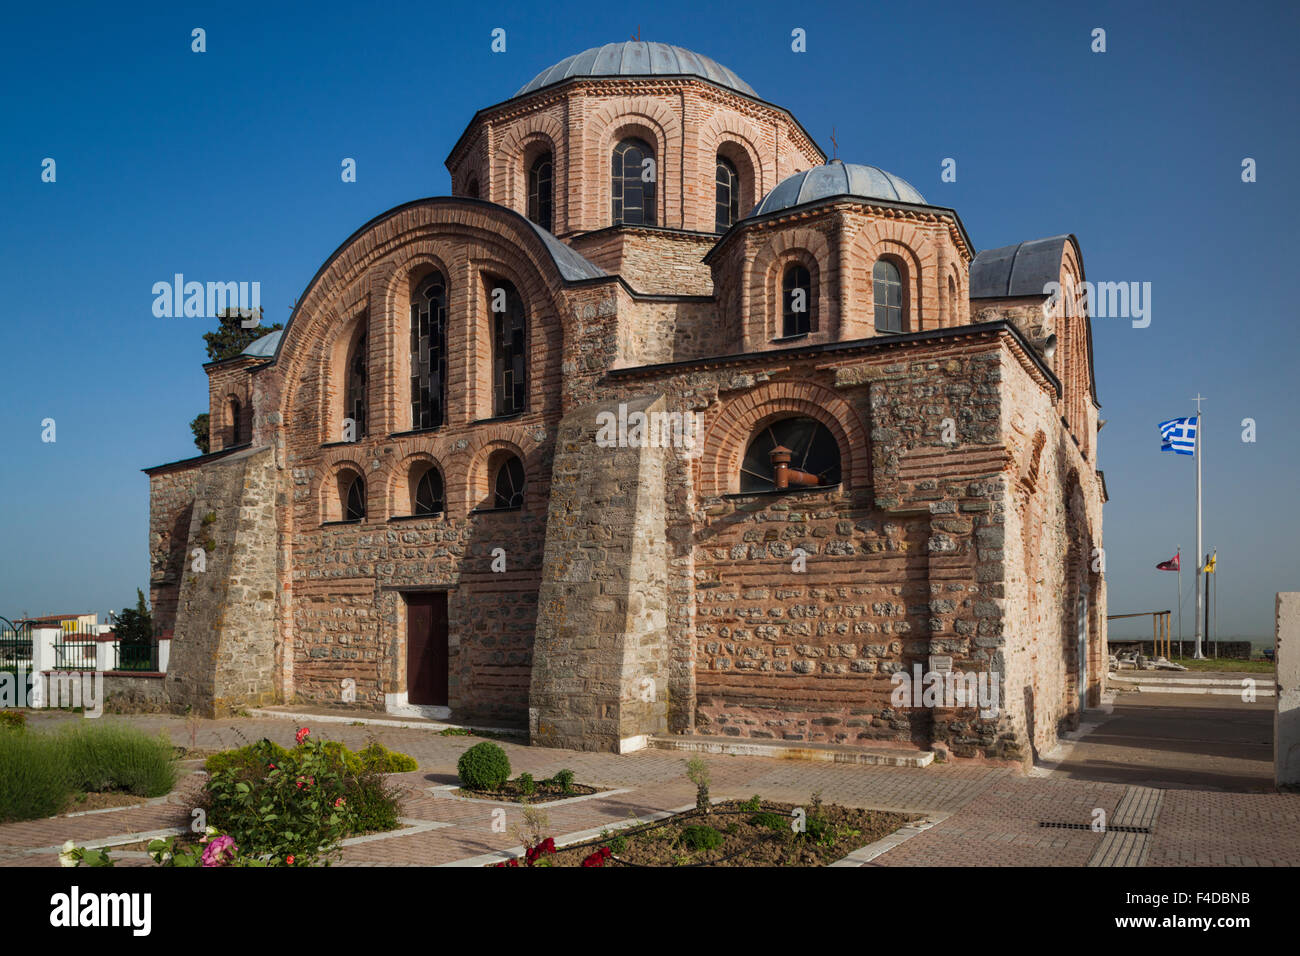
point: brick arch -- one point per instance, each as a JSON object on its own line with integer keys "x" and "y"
{"x": 734, "y": 424}
{"x": 346, "y": 277}
{"x": 916, "y": 253}
{"x": 732, "y": 134}
{"x": 763, "y": 285}
{"x": 399, "y": 485}
{"x": 337, "y": 463}
{"x": 653, "y": 120}
{"x": 474, "y": 486}
{"x": 510, "y": 170}
{"x": 336, "y": 342}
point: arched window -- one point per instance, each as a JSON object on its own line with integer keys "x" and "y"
{"x": 472, "y": 189}
{"x": 952, "y": 301}
{"x": 727, "y": 195}
{"x": 887, "y": 288}
{"x": 354, "y": 499}
{"x": 633, "y": 184}
{"x": 428, "y": 498}
{"x": 236, "y": 422}
{"x": 796, "y": 300}
{"x": 541, "y": 190}
{"x": 354, "y": 392}
{"x": 429, "y": 353}
{"x": 508, "y": 486}
{"x": 509, "y": 347}
{"x": 797, "y": 452}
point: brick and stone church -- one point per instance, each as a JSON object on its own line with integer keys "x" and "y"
{"x": 877, "y": 450}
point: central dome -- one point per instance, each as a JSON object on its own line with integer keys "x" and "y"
{"x": 837, "y": 178}
{"x": 638, "y": 58}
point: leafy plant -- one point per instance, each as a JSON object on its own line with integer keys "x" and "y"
{"x": 526, "y": 784}
{"x": 484, "y": 766}
{"x": 454, "y": 732}
{"x": 564, "y": 780}
{"x": 13, "y": 720}
{"x": 753, "y": 804}
{"x": 33, "y": 777}
{"x": 773, "y": 821}
{"x": 698, "y": 773}
{"x": 700, "y": 838}
{"x": 109, "y": 757}
{"x": 380, "y": 759}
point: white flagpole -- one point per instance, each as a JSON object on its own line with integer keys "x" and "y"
{"x": 1200, "y": 596}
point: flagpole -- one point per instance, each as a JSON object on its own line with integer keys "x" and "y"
{"x": 1179, "y": 554}
{"x": 1200, "y": 596}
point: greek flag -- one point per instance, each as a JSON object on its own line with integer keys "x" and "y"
{"x": 1179, "y": 435}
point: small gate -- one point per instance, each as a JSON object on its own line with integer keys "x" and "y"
{"x": 15, "y": 645}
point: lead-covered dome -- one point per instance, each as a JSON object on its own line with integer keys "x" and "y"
{"x": 638, "y": 58}
{"x": 837, "y": 178}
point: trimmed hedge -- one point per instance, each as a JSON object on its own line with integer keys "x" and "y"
{"x": 484, "y": 766}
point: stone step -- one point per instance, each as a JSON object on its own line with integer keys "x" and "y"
{"x": 793, "y": 750}
{"x": 1167, "y": 683}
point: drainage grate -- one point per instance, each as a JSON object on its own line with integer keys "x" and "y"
{"x": 1113, "y": 828}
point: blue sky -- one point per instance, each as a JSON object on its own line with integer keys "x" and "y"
{"x": 225, "y": 165}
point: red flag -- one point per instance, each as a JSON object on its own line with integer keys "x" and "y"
{"x": 1170, "y": 565}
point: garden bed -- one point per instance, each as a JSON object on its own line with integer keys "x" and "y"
{"x": 737, "y": 833}
{"x": 544, "y": 791}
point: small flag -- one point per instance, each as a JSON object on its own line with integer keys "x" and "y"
{"x": 1170, "y": 565}
{"x": 1209, "y": 565}
{"x": 1179, "y": 435}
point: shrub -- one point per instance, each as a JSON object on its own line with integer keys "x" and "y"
{"x": 753, "y": 804}
{"x": 106, "y": 757}
{"x": 618, "y": 843}
{"x": 526, "y": 785}
{"x": 484, "y": 766}
{"x": 700, "y": 838}
{"x": 33, "y": 777}
{"x": 250, "y": 761}
{"x": 297, "y": 808}
{"x": 563, "y": 780}
{"x": 379, "y": 758}
{"x": 371, "y": 804}
{"x": 773, "y": 821}
{"x": 698, "y": 773}
{"x": 13, "y": 720}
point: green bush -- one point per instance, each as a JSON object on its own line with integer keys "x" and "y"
{"x": 33, "y": 777}
{"x": 563, "y": 780}
{"x": 371, "y": 804}
{"x": 753, "y": 804}
{"x": 527, "y": 786}
{"x": 108, "y": 757}
{"x": 250, "y": 761}
{"x": 701, "y": 838}
{"x": 379, "y": 758}
{"x": 13, "y": 720}
{"x": 773, "y": 821}
{"x": 484, "y": 766}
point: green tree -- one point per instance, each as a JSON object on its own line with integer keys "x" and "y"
{"x": 134, "y": 625}
{"x": 200, "y": 428}
{"x": 229, "y": 340}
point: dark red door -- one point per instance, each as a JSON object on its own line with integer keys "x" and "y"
{"x": 426, "y": 648}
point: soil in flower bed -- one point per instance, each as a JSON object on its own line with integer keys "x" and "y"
{"x": 749, "y": 838}
{"x": 543, "y": 792}
{"x": 101, "y": 800}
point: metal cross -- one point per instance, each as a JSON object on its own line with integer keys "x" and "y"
{"x": 835, "y": 144}
{"x": 1198, "y": 399}
{"x": 637, "y": 37}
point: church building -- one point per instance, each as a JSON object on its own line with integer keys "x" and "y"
{"x": 661, "y": 424}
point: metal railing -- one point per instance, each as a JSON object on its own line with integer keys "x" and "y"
{"x": 74, "y": 648}
{"x": 15, "y": 645}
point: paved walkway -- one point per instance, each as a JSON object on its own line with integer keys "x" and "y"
{"x": 983, "y": 815}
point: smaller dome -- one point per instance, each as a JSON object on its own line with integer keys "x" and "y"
{"x": 837, "y": 178}
{"x": 265, "y": 346}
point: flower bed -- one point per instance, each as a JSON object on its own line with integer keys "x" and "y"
{"x": 543, "y": 791}
{"x": 732, "y": 833}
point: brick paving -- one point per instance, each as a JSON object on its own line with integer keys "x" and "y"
{"x": 994, "y": 811}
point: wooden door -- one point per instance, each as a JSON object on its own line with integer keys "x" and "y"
{"x": 426, "y": 648}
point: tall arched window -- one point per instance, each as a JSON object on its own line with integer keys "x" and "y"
{"x": 472, "y": 189}
{"x": 796, "y": 300}
{"x": 354, "y": 499}
{"x": 354, "y": 392}
{"x": 429, "y": 353}
{"x": 236, "y": 422}
{"x": 541, "y": 190}
{"x": 952, "y": 301}
{"x": 887, "y": 289}
{"x": 727, "y": 195}
{"x": 797, "y": 452}
{"x": 633, "y": 184}
{"x": 428, "y": 498}
{"x": 508, "y": 486}
{"x": 509, "y": 348}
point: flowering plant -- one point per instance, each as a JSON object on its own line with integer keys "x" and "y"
{"x": 599, "y": 857}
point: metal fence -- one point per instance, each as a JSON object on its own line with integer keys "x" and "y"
{"x": 133, "y": 656}
{"x": 15, "y": 645}
{"x": 74, "y": 648}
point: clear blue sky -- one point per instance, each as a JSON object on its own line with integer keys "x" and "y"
{"x": 225, "y": 165}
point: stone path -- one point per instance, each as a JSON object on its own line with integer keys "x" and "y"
{"x": 981, "y": 815}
